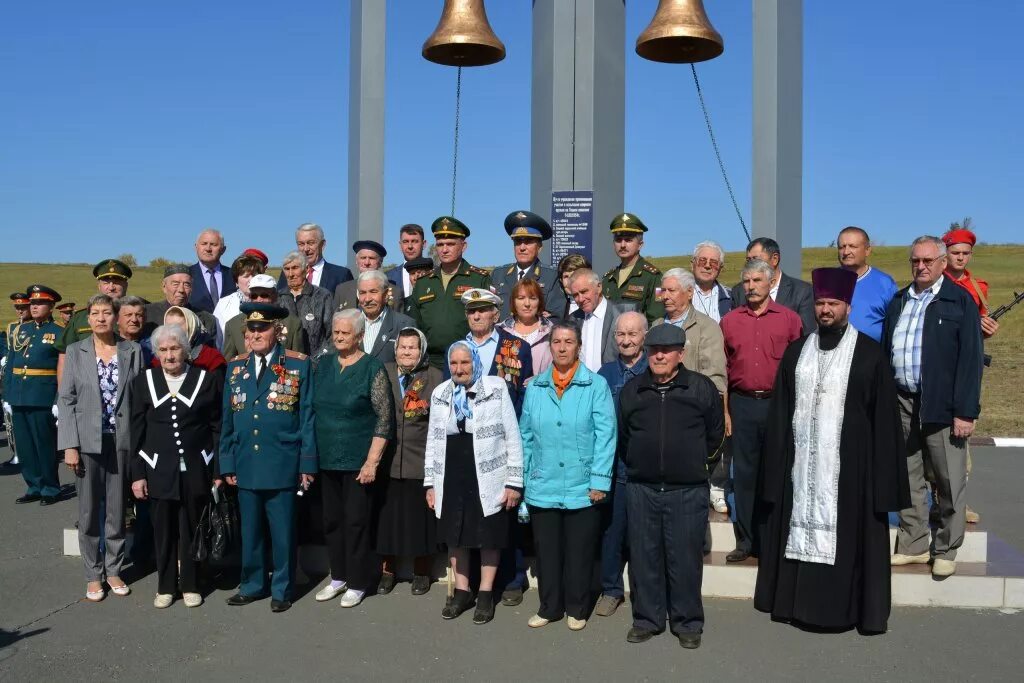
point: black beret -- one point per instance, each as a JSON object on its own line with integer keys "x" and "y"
{"x": 421, "y": 263}
{"x": 371, "y": 245}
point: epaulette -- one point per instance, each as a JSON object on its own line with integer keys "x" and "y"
{"x": 650, "y": 268}
{"x": 610, "y": 273}
{"x": 241, "y": 356}
{"x": 479, "y": 271}
{"x": 288, "y": 353}
{"x": 510, "y": 269}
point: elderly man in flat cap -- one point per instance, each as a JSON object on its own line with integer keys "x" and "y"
{"x": 369, "y": 256}
{"x": 177, "y": 289}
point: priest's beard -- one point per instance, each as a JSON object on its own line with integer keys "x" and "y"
{"x": 829, "y": 336}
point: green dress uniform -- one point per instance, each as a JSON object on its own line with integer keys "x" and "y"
{"x": 641, "y": 285}
{"x": 77, "y": 327}
{"x": 438, "y": 310}
{"x": 267, "y": 441}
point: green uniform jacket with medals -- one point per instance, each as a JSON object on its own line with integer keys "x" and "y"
{"x": 640, "y": 288}
{"x": 439, "y": 313}
{"x": 31, "y": 370}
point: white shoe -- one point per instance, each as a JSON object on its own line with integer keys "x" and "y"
{"x": 576, "y": 624}
{"x": 536, "y": 621}
{"x": 192, "y": 599}
{"x": 329, "y": 593}
{"x": 720, "y": 505}
{"x": 163, "y": 600}
{"x": 941, "y": 567}
{"x": 352, "y": 597}
{"x": 899, "y": 559}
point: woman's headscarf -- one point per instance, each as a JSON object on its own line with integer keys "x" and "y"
{"x": 423, "y": 361}
{"x": 461, "y": 399}
{"x": 193, "y": 328}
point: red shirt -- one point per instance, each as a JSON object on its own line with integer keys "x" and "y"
{"x": 966, "y": 283}
{"x": 754, "y": 344}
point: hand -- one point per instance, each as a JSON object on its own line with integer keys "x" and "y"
{"x": 728, "y": 424}
{"x": 53, "y": 410}
{"x": 989, "y": 326}
{"x": 217, "y": 483}
{"x": 305, "y": 481}
{"x": 597, "y": 496}
{"x": 367, "y": 473}
{"x": 231, "y": 479}
{"x": 430, "y": 498}
{"x": 510, "y": 499}
{"x": 140, "y": 489}
{"x": 71, "y": 458}
{"x": 962, "y": 429}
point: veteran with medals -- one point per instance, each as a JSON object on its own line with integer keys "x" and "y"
{"x": 267, "y": 449}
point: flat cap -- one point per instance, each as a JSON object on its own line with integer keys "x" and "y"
{"x": 371, "y": 245}
{"x": 665, "y": 334}
{"x": 527, "y": 224}
{"x": 480, "y": 298}
{"x": 449, "y": 226}
{"x": 176, "y": 269}
{"x": 41, "y": 294}
{"x": 112, "y": 268}
{"x": 627, "y": 223}
{"x": 421, "y": 263}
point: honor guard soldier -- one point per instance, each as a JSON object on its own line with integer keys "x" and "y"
{"x": 436, "y": 301}
{"x": 635, "y": 280}
{"x": 30, "y": 389}
{"x": 267, "y": 449}
{"x": 111, "y": 279}
{"x": 20, "y": 302}
{"x": 66, "y": 310}
{"x": 528, "y": 232}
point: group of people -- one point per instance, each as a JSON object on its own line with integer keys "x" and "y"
{"x": 448, "y": 406}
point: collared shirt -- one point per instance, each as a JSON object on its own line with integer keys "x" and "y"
{"x": 707, "y": 303}
{"x": 908, "y": 337}
{"x": 371, "y": 329}
{"x": 318, "y": 271}
{"x": 217, "y": 276}
{"x": 681, "y": 320}
{"x": 486, "y": 349}
{"x": 774, "y": 291}
{"x": 871, "y": 298}
{"x": 593, "y": 326}
{"x": 754, "y": 344}
{"x": 406, "y": 283}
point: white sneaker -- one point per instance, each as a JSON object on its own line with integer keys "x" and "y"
{"x": 576, "y": 624}
{"x": 536, "y": 621}
{"x": 899, "y": 559}
{"x": 192, "y": 599}
{"x": 163, "y": 600}
{"x": 941, "y": 567}
{"x": 352, "y": 597}
{"x": 329, "y": 593}
{"x": 720, "y": 505}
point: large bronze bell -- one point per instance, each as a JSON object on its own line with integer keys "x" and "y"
{"x": 463, "y": 36}
{"x": 680, "y": 33}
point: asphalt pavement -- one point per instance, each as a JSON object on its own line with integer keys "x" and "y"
{"x": 48, "y": 630}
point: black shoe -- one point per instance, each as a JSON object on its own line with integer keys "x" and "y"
{"x": 420, "y": 585}
{"x": 512, "y": 597}
{"x": 48, "y": 500}
{"x": 639, "y": 635}
{"x": 28, "y": 498}
{"x": 484, "y": 607}
{"x": 387, "y": 584}
{"x": 737, "y": 555}
{"x": 279, "y": 605}
{"x": 460, "y": 602}
{"x": 690, "y": 640}
{"x": 239, "y": 600}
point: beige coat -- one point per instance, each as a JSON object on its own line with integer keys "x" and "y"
{"x": 705, "y": 348}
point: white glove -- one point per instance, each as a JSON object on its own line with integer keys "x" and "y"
{"x": 3, "y": 362}
{"x": 53, "y": 409}
{"x": 7, "y": 408}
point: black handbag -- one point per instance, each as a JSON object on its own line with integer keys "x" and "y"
{"x": 224, "y": 526}
{"x": 200, "y": 548}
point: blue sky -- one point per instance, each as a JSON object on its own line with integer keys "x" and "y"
{"x": 129, "y": 126}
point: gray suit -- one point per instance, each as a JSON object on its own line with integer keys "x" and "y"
{"x": 609, "y": 349}
{"x": 794, "y": 294}
{"x": 346, "y": 296}
{"x": 504, "y": 278}
{"x": 104, "y": 457}
{"x": 384, "y": 345}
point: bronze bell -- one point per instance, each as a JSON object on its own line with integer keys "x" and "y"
{"x": 463, "y": 36}
{"x": 680, "y": 33}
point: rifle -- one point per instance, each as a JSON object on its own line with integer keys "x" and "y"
{"x": 999, "y": 313}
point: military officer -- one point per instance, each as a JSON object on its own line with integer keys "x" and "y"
{"x": 436, "y": 301}
{"x": 369, "y": 256}
{"x": 66, "y": 310}
{"x": 267, "y": 450}
{"x": 20, "y": 302}
{"x": 635, "y": 280}
{"x": 30, "y": 389}
{"x": 528, "y": 232}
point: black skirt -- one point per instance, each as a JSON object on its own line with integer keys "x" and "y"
{"x": 406, "y": 526}
{"x": 462, "y": 523}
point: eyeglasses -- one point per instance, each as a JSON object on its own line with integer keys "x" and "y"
{"x": 926, "y": 262}
{"x": 709, "y": 262}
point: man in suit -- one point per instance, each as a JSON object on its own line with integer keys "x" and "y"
{"x": 411, "y": 242}
{"x": 381, "y": 325}
{"x": 211, "y": 279}
{"x": 177, "y": 289}
{"x": 369, "y": 256}
{"x": 710, "y": 296}
{"x": 596, "y": 316}
{"x": 793, "y": 293}
{"x": 528, "y": 232}
{"x": 635, "y": 280}
{"x": 263, "y": 290}
{"x": 309, "y": 239}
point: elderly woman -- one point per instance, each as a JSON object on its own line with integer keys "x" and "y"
{"x": 175, "y": 428}
{"x": 242, "y": 270}
{"x": 528, "y": 322}
{"x": 200, "y": 354}
{"x": 406, "y": 526}
{"x": 93, "y": 432}
{"x": 473, "y": 474}
{"x": 569, "y": 435}
{"x": 355, "y": 419}
{"x": 569, "y": 264}
{"x": 312, "y": 305}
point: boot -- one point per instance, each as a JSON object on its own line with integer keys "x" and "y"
{"x": 461, "y": 601}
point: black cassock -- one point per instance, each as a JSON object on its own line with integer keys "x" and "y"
{"x": 855, "y": 591}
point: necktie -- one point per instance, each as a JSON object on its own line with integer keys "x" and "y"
{"x": 309, "y": 274}
{"x": 261, "y": 365}
{"x": 521, "y": 274}
{"x": 214, "y": 290}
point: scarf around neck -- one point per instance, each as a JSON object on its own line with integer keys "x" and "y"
{"x": 460, "y": 398}
{"x": 561, "y": 381}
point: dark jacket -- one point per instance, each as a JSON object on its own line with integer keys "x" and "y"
{"x": 314, "y": 309}
{"x": 200, "y": 300}
{"x": 330, "y": 277}
{"x": 617, "y": 375}
{"x": 951, "y": 353}
{"x": 794, "y": 294}
{"x": 405, "y": 452}
{"x": 670, "y": 438}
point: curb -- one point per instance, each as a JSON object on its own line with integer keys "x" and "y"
{"x": 997, "y": 441}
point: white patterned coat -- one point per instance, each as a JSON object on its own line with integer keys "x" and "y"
{"x": 497, "y": 446}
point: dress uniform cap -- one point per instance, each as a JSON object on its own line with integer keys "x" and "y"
{"x": 959, "y": 236}
{"x": 376, "y": 247}
{"x": 176, "y": 269}
{"x": 262, "y": 281}
{"x": 67, "y": 305}
{"x": 19, "y": 298}
{"x": 449, "y": 226}
{"x": 42, "y": 294}
{"x": 665, "y": 335}
{"x": 421, "y": 263}
{"x": 527, "y": 224}
{"x": 112, "y": 268}
{"x": 627, "y": 223}
{"x": 259, "y": 312}
{"x": 480, "y": 298}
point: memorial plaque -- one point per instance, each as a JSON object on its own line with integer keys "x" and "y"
{"x": 572, "y": 224}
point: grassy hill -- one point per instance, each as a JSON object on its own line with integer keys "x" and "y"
{"x": 1000, "y": 265}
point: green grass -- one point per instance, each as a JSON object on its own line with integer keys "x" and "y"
{"x": 998, "y": 264}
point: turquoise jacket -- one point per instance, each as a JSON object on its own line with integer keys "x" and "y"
{"x": 568, "y": 444}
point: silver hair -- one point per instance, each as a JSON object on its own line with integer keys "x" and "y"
{"x": 592, "y": 277}
{"x": 377, "y": 276}
{"x": 297, "y": 256}
{"x": 310, "y": 227}
{"x": 211, "y": 231}
{"x": 353, "y": 314}
{"x": 680, "y": 275}
{"x": 632, "y": 315}
{"x": 710, "y": 244}
{"x": 130, "y": 300}
{"x": 174, "y": 331}
{"x": 929, "y": 239}
{"x": 758, "y": 266}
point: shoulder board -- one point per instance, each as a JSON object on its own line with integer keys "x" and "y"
{"x": 241, "y": 356}
{"x": 288, "y": 353}
{"x": 479, "y": 271}
{"x": 511, "y": 267}
{"x": 651, "y": 268}
{"x": 610, "y": 273}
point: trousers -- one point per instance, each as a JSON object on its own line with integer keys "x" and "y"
{"x": 276, "y": 507}
{"x": 614, "y": 543}
{"x": 174, "y": 526}
{"x": 37, "y": 449}
{"x": 101, "y": 504}
{"x": 348, "y": 509}
{"x": 566, "y": 543}
{"x": 749, "y": 417}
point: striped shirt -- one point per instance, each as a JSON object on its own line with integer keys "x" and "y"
{"x": 908, "y": 338}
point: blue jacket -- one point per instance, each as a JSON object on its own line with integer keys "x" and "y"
{"x": 568, "y": 444}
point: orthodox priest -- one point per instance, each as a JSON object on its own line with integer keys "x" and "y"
{"x": 833, "y": 467}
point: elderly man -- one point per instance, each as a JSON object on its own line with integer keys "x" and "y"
{"x": 596, "y": 316}
{"x": 672, "y": 427}
{"x": 833, "y": 468}
{"x": 528, "y": 232}
{"x": 630, "y": 329}
{"x": 211, "y": 279}
{"x": 959, "y": 251}
{"x": 369, "y": 256}
{"x": 177, "y": 289}
{"x": 262, "y": 289}
{"x": 381, "y": 324}
{"x": 756, "y": 335}
{"x": 710, "y": 297}
{"x": 875, "y": 289}
{"x": 635, "y": 279}
{"x": 312, "y": 305}
{"x": 932, "y": 329}
{"x": 787, "y": 291}
{"x": 267, "y": 449}
{"x": 411, "y": 242}
{"x": 309, "y": 239}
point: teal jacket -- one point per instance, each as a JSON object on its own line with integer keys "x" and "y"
{"x": 266, "y": 435}
{"x": 30, "y": 376}
{"x": 568, "y": 444}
